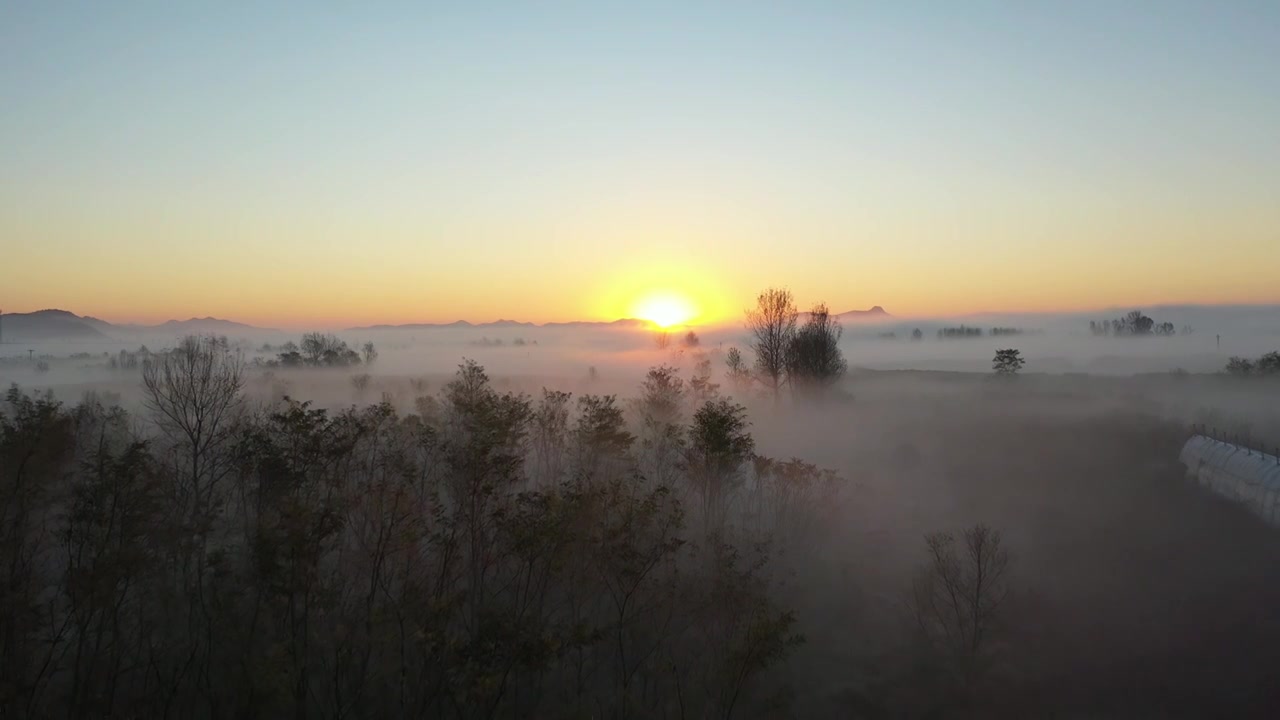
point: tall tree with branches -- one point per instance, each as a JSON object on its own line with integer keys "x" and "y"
{"x": 772, "y": 323}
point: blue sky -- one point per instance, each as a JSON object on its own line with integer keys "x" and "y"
{"x": 562, "y": 158}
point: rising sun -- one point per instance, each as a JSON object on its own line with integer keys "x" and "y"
{"x": 664, "y": 309}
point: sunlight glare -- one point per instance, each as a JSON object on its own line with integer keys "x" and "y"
{"x": 664, "y": 309}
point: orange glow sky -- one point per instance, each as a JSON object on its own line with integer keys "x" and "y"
{"x": 335, "y": 169}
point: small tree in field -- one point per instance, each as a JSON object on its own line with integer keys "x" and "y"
{"x": 1007, "y": 362}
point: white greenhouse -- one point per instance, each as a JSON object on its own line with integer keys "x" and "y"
{"x": 1235, "y": 472}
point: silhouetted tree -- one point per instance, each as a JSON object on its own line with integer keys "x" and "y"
{"x": 701, "y": 389}
{"x": 1240, "y": 367}
{"x": 917, "y": 334}
{"x": 959, "y": 592}
{"x": 1007, "y": 362}
{"x": 1135, "y": 323}
{"x": 814, "y": 361}
{"x": 719, "y": 446}
{"x": 319, "y": 350}
{"x": 773, "y": 325}
{"x": 739, "y": 373}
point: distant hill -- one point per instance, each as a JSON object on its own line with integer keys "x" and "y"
{"x": 55, "y": 324}
{"x": 623, "y": 322}
{"x": 206, "y": 324}
{"x": 416, "y": 326}
{"x": 49, "y": 325}
{"x": 875, "y": 313}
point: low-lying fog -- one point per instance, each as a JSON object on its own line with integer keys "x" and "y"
{"x": 1132, "y": 593}
{"x": 1061, "y": 348}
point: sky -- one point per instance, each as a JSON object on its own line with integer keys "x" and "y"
{"x": 299, "y": 164}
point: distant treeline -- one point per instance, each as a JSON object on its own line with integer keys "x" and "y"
{"x": 321, "y": 350}
{"x": 1135, "y": 324}
{"x": 1266, "y": 366}
{"x": 497, "y": 342}
{"x": 964, "y": 331}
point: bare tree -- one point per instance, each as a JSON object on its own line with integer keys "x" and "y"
{"x": 361, "y": 383}
{"x": 773, "y": 325}
{"x": 958, "y": 593}
{"x": 193, "y": 392}
{"x": 662, "y": 338}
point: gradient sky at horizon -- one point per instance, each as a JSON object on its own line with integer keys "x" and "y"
{"x": 300, "y": 164}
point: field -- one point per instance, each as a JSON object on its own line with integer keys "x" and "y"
{"x": 1130, "y": 593}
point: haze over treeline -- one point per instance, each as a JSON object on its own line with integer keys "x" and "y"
{"x": 627, "y": 521}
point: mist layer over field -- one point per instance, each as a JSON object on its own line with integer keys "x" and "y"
{"x": 1120, "y": 589}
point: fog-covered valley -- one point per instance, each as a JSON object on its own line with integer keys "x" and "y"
{"x": 793, "y": 547}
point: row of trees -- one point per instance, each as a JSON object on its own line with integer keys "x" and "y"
{"x": 324, "y": 350}
{"x": 1266, "y": 366}
{"x": 806, "y": 357}
{"x": 1134, "y": 324}
{"x": 963, "y": 331}
{"x": 491, "y": 554}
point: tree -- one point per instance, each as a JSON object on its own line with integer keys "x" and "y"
{"x": 1240, "y": 367}
{"x": 662, "y": 338}
{"x": 1268, "y": 364}
{"x": 1007, "y": 362}
{"x": 691, "y": 340}
{"x": 700, "y": 386}
{"x": 719, "y": 446}
{"x": 917, "y": 334}
{"x": 739, "y": 373}
{"x": 193, "y": 393}
{"x": 370, "y": 353}
{"x": 958, "y": 593}
{"x": 814, "y": 361}
{"x": 773, "y": 325}
{"x": 1135, "y": 323}
{"x": 361, "y": 383}
{"x": 661, "y": 411}
{"x": 323, "y": 350}
{"x": 550, "y": 426}
{"x": 600, "y": 436}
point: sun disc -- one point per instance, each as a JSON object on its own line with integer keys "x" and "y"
{"x": 664, "y": 309}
